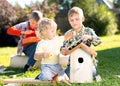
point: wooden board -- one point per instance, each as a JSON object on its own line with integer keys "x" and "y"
{"x": 25, "y": 81}
{"x": 31, "y": 81}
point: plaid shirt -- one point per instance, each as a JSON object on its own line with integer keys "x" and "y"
{"x": 77, "y": 39}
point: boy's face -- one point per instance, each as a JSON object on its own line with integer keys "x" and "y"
{"x": 33, "y": 24}
{"x": 76, "y": 21}
{"x": 50, "y": 33}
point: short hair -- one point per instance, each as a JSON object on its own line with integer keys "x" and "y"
{"x": 45, "y": 23}
{"x": 75, "y": 10}
{"x": 36, "y": 15}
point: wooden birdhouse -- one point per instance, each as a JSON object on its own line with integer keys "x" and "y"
{"x": 81, "y": 67}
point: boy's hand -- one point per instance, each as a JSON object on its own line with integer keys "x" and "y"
{"x": 86, "y": 37}
{"x": 46, "y": 55}
{"x": 70, "y": 35}
{"x": 27, "y": 32}
{"x": 64, "y": 51}
{"x": 94, "y": 54}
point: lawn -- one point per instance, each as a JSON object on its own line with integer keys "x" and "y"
{"x": 108, "y": 66}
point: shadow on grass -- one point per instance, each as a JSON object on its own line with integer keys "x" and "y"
{"x": 11, "y": 71}
{"x": 109, "y": 62}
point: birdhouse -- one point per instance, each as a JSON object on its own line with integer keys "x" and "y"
{"x": 81, "y": 67}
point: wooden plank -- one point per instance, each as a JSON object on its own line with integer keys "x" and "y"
{"x": 24, "y": 81}
{"x": 32, "y": 81}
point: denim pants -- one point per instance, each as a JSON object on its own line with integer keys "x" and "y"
{"x": 48, "y": 71}
{"x": 30, "y": 51}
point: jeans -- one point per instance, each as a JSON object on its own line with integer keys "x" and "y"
{"x": 67, "y": 71}
{"x": 48, "y": 71}
{"x": 30, "y": 51}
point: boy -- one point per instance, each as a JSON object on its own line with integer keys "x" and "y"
{"x": 86, "y": 34}
{"x": 27, "y": 30}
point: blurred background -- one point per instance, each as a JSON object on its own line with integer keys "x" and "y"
{"x": 101, "y": 15}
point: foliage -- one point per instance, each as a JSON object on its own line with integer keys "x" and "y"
{"x": 7, "y": 13}
{"x": 116, "y": 3}
{"x": 7, "y": 17}
{"x": 62, "y": 7}
{"x": 1, "y": 83}
{"x": 98, "y": 17}
{"x": 48, "y": 10}
{"x": 20, "y": 13}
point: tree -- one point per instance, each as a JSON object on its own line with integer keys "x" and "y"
{"x": 21, "y": 14}
{"x": 7, "y": 17}
{"x": 116, "y": 3}
{"x": 7, "y": 13}
{"x": 98, "y": 17}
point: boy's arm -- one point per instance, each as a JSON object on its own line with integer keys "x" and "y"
{"x": 69, "y": 35}
{"x": 89, "y": 50}
{"x": 13, "y": 31}
{"x": 95, "y": 39}
{"x": 16, "y": 32}
{"x": 38, "y": 56}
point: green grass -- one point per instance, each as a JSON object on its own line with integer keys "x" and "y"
{"x": 108, "y": 66}
{"x": 5, "y": 53}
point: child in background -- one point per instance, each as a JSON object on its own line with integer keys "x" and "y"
{"x": 27, "y": 29}
{"x": 86, "y": 34}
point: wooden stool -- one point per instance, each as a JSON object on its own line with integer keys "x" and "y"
{"x": 20, "y": 61}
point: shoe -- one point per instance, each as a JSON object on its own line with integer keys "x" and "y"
{"x": 31, "y": 68}
{"x": 26, "y": 68}
{"x": 55, "y": 78}
{"x": 60, "y": 78}
{"x": 37, "y": 77}
{"x": 98, "y": 78}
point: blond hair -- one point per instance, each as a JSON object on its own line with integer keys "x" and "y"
{"x": 36, "y": 15}
{"x": 46, "y": 23}
{"x": 75, "y": 10}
